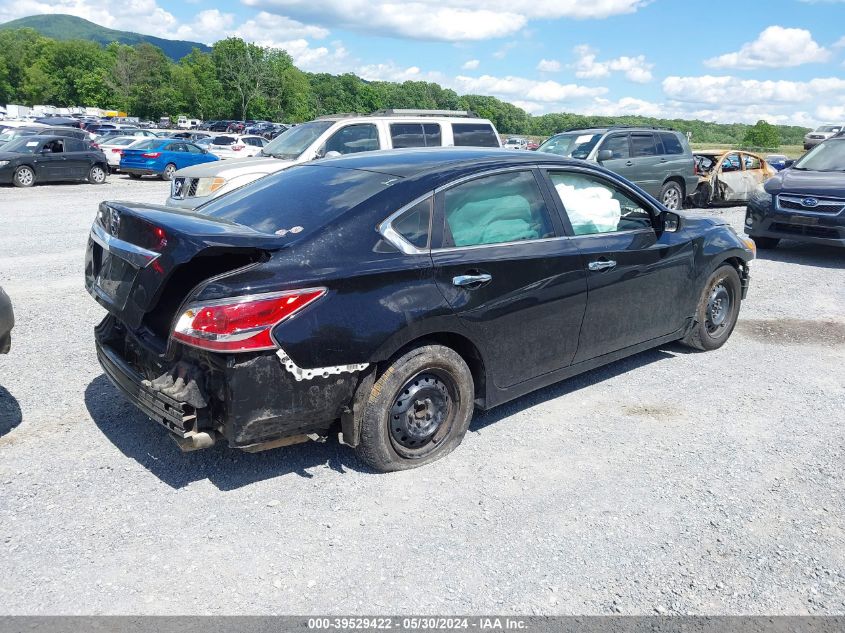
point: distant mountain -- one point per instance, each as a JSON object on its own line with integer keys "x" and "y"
{"x": 69, "y": 27}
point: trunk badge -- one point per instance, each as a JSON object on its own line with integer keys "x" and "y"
{"x": 114, "y": 222}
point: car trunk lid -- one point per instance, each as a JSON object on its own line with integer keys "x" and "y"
{"x": 136, "y": 252}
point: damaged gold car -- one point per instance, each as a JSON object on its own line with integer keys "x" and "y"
{"x": 728, "y": 176}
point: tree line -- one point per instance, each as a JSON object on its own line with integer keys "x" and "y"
{"x": 240, "y": 80}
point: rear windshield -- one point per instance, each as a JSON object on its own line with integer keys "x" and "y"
{"x": 151, "y": 144}
{"x": 304, "y": 196}
{"x": 223, "y": 140}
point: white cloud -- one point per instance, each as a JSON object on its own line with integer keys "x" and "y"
{"x": 587, "y": 66}
{"x": 776, "y": 47}
{"x": 727, "y": 90}
{"x": 548, "y": 65}
{"x": 392, "y": 72}
{"x": 448, "y": 20}
{"x": 504, "y": 49}
{"x": 524, "y": 89}
{"x": 471, "y": 64}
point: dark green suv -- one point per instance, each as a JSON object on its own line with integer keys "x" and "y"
{"x": 658, "y": 160}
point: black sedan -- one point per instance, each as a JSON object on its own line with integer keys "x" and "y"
{"x": 804, "y": 202}
{"x": 7, "y": 322}
{"x": 396, "y": 292}
{"x": 37, "y": 159}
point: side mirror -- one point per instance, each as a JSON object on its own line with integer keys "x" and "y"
{"x": 332, "y": 154}
{"x": 605, "y": 154}
{"x": 671, "y": 222}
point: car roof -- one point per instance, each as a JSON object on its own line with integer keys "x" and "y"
{"x": 408, "y": 163}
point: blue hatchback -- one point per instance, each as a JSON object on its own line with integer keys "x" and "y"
{"x": 162, "y": 157}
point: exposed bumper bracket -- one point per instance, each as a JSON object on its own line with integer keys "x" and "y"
{"x": 319, "y": 372}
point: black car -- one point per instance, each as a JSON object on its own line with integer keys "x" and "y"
{"x": 804, "y": 202}
{"x": 7, "y": 322}
{"x": 396, "y": 292}
{"x": 37, "y": 159}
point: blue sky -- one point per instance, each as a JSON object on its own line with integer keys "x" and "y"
{"x": 739, "y": 60}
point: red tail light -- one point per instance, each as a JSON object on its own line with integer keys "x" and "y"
{"x": 151, "y": 155}
{"x": 241, "y": 324}
{"x": 238, "y": 148}
{"x": 117, "y": 151}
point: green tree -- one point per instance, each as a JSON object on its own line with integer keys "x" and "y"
{"x": 244, "y": 69}
{"x": 762, "y": 135}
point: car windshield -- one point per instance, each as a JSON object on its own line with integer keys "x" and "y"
{"x": 829, "y": 156}
{"x": 302, "y": 198}
{"x": 23, "y": 145}
{"x": 571, "y": 145}
{"x": 122, "y": 140}
{"x": 829, "y": 128}
{"x": 291, "y": 143}
{"x": 223, "y": 140}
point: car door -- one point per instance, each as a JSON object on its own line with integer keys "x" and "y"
{"x": 731, "y": 181}
{"x": 636, "y": 276}
{"x": 644, "y": 166}
{"x": 506, "y": 269}
{"x": 178, "y": 155}
{"x": 195, "y": 154}
{"x": 77, "y": 159}
{"x": 619, "y": 158}
{"x": 52, "y": 163}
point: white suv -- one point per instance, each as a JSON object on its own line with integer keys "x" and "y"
{"x": 333, "y": 136}
{"x": 236, "y": 145}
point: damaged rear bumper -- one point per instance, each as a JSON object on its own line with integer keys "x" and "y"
{"x": 247, "y": 400}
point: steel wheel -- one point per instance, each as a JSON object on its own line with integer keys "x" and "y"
{"x": 718, "y": 311}
{"x": 97, "y": 175}
{"x": 24, "y": 177}
{"x": 422, "y": 413}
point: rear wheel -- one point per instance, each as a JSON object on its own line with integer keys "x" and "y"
{"x": 765, "y": 243}
{"x": 97, "y": 175}
{"x": 24, "y": 177}
{"x": 419, "y": 410}
{"x": 717, "y": 312}
{"x": 168, "y": 172}
{"x": 672, "y": 196}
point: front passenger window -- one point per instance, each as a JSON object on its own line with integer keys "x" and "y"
{"x": 496, "y": 209}
{"x": 353, "y": 139}
{"x": 595, "y": 206}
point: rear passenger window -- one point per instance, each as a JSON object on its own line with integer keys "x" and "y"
{"x": 643, "y": 145}
{"x": 752, "y": 162}
{"x": 496, "y": 209}
{"x": 671, "y": 143}
{"x": 474, "y": 135}
{"x": 597, "y": 206}
{"x": 414, "y": 225}
{"x": 407, "y": 135}
{"x": 433, "y": 135}
{"x": 75, "y": 145}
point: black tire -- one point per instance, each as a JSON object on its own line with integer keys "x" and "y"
{"x": 24, "y": 177}
{"x": 397, "y": 433}
{"x": 135, "y": 176}
{"x": 97, "y": 174}
{"x": 766, "y": 243}
{"x": 714, "y": 320}
{"x": 672, "y": 196}
{"x": 169, "y": 170}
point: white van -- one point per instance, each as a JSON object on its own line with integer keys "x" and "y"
{"x": 182, "y": 123}
{"x": 331, "y": 136}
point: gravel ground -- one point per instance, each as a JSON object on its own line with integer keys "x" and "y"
{"x": 669, "y": 482}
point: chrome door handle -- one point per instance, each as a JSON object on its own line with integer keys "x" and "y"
{"x": 602, "y": 265}
{"x": 471, "y": 280}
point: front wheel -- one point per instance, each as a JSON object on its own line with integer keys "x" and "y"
{"x": 419, "y": 410}
{"x": 168, "y": 172}
{"x": 672, "y": 196}
{"x": 97, "y": 175}
{"x": 24, "y": 177}
{"x": 717, "y": 312}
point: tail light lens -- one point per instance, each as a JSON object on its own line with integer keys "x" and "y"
{"x": 116, "y": 151}
{"x": 151, "y": 155}
{"x": 238, "y": 148}
{"x": 241, "y": 324}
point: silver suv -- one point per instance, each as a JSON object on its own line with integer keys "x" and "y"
{"x": 821, "y": 134}
{"x": 658, "y": 160}
{"x": 332, "y": 136}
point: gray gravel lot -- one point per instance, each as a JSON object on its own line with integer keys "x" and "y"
{"x": 668, "y": 482}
